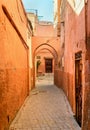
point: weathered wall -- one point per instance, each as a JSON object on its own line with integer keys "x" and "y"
{"x": 13, "y": 60}
{"x": 75, "y": 42}
{"x": 86, "y": 122}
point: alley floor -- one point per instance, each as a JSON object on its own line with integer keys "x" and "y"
{"x": 46, "y": 108}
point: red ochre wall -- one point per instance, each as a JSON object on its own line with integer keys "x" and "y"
{"x": 13, "y": 60}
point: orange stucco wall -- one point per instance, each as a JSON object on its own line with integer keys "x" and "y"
{"x": 13, "y": 60}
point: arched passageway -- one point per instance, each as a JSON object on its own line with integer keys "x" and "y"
{"x": 45, "y": 59}
{"x": 48, "y": 46}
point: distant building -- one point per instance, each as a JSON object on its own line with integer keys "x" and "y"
{"x": 32, "y": 17}
{"x": 57, "y": 17}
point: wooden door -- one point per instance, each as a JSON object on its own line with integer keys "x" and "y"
{"x": 48, "y": 65}
{"x": 78, "y": 91}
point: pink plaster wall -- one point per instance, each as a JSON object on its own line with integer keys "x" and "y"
{"x": 75, "y": 41}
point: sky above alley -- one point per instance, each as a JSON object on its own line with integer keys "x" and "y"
{"x": 43, "y": 7}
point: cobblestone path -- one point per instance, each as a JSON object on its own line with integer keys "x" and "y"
{"x": 46, "y": 108}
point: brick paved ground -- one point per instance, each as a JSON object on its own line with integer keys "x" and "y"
{"x": 45, "y": 109}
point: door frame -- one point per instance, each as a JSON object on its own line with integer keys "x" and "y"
{"x": 78, "y": 87}
{"x": 51, "y": 64}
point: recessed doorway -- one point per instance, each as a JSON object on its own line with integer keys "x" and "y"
{"x": 78, "y": 86}
{"x": 48, "y": 65}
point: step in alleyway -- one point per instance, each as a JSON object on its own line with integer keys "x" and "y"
{"x": 46, "y": 108}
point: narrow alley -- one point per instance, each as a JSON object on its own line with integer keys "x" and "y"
{"x": 46, "y": 108}
{"x": 44, "y": 64}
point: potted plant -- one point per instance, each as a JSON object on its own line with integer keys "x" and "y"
{"x": 37, "y": 65}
